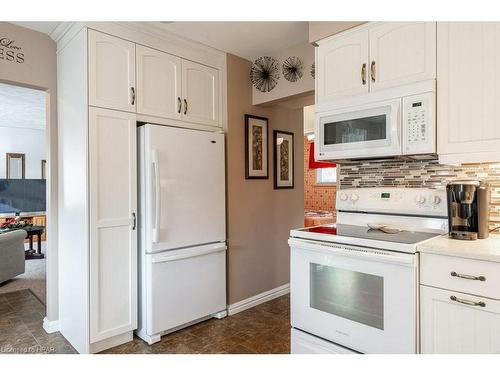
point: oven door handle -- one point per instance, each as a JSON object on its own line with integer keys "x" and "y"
{"x": 354, "y": 252}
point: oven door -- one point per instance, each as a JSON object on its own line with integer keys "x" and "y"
{"x": 366, "y": 131}
{"x": 361, "y": 298}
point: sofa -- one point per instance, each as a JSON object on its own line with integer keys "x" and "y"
{"x": 11, "y": 254}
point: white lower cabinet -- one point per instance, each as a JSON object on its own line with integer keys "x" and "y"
{"x": 113, "y": 234}
{"x": 458, "y": 323}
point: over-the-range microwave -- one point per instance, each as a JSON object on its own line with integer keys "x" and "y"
{"x": 392, "y": 123}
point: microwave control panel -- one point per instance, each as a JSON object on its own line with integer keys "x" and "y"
{"x": 419, "y": 124}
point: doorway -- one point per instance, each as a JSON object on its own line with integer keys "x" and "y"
{"x": 320, "y": 180}
{"x": 24, "y": 155}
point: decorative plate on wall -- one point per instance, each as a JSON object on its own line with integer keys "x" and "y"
{"x": 265, "y": 73}
{"x": 293, "y": 69}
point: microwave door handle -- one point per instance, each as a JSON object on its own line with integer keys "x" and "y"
{"x": 157, "y": 196}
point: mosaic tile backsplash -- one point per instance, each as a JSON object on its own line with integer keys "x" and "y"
{"x": 413, "y": 173}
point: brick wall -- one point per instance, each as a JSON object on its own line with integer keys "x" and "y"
{"x": 316, "y": 197}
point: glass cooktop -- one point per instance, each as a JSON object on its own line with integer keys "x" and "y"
{"x": 363, "y": 232}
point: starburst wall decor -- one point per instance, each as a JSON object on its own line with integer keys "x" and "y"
{"x": 292, "y": 69}
{"x": 265, "y": 73}
{"x": 313, "y": 70}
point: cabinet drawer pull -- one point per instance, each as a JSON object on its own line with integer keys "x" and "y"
{"x": 373, "y": 71}
{"x": 132, "y": 94}
{"x": 467, "y": 302}
{"x": 179, "y": 105}
{"x": 468, "y": 277}
{"x": 134, "y": 220}
{"x": 185, "y": 106}
{"x": 363, "y": 74}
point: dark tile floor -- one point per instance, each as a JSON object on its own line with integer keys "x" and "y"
{"x": 21, "y": 331}
{"x": 262, "y": 329}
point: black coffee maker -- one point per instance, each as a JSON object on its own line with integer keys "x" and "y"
{"x": 468, "y": 209}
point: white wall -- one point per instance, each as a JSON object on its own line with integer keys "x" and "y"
{"x": 31, "y": 142}
{"x": 284, "y": 88}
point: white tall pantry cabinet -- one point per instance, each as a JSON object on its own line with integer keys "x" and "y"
{"x": 110, "y": 77}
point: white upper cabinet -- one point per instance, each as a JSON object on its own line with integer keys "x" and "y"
{"x": 457, "y": 323}
{"x": 158, "y": 83}
{"x": 468, "y": 93}
{"x": 111, "y": 66}
{"x": 373, "y": 57}
{"x": 200, "y": 90}
{"x": 342, "y": 67}
{"x": 113, "y": 229}
{"x": 402, "y": 53}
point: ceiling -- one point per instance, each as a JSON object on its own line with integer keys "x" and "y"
{"x": 245, "y": 39}
{"x": 22, "y": 107}
{"x": 43, "y": 27}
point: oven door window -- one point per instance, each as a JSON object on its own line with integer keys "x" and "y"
{"x": 373, "y": 128}
{"x": 348, "y": 294}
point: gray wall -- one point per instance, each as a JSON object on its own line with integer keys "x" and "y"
{"x": 38, "y": 69}
{"x": 259, "y": 217}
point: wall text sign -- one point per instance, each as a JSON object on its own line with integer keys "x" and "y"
{"x": 10, "y": 51}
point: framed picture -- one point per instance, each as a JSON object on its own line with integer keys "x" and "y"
{"x": 283, "y": 159}
{"x": 44, "y": 165}
{"x": 15, "y": 165}
{"x": 256, "y": 146}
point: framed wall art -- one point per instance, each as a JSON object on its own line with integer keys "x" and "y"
{"x": 283, "y": 159}
{"x": 256, "y": 147}
{"x": 15, "y": 167}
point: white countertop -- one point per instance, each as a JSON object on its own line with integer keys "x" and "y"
{"x": 487, "y": 249}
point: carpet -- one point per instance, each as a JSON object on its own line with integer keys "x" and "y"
{"x": 33, "y": 278}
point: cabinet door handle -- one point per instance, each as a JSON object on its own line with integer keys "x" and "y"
{"x": 132, "y": 94}
{"x": 373, "y": 71}
{"x": 134, "y": 221}
{"x": 185, "y": 106}
{"x": 467, "y": 302}
{"x": 363, "y": 74}
{"x": 179, "y": 105}
{"x": 468, "y": 277}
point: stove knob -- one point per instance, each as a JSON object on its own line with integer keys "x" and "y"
{"x": 354, "y": 197}
{"x": 420, "y": 199}
{"x": 343, "y": 197}
{"x": 436, "y": 199}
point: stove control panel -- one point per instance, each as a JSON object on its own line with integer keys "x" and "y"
{"x": 409, "y": 201}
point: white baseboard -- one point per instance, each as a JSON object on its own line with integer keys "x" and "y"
{"x": 258, "y": 299}
{"x": 50, "y": 326}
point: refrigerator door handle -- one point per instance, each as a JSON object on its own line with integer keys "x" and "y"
{"x": 157, "y": 196}
{"x": 205, "y": 250}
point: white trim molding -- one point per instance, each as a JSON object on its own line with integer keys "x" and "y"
{"x": 258, "y": 299}
{"x": 50, "y": 326}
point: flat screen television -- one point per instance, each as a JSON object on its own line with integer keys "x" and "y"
{"x": 22, "y": 195}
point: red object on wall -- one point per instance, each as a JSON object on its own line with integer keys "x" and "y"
{"x": 313, "y": 164}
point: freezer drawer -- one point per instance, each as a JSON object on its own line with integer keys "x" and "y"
{"x": 185, "y": 285}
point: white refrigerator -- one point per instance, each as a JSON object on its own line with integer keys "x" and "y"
{"x": 182, "y": 227}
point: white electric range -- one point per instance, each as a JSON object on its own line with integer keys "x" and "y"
{"x": 355, "y": 289}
